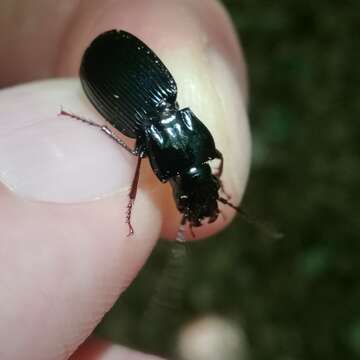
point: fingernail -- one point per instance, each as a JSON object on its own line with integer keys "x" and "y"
{"x": 54, "y": 158}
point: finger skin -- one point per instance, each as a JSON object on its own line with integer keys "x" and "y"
{"x": 62, "y": 265}
{"x": 94, "y": 349}
{"x": 30, "y": 53}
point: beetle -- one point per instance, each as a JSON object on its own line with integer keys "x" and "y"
{"x": 134, "y": 91}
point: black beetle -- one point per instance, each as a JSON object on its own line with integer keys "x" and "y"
{"x": 134, "y": 91}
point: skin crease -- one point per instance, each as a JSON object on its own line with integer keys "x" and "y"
{"x": 68, "y": 263}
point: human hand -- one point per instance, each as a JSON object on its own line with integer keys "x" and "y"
{"x": 64, "y": 254}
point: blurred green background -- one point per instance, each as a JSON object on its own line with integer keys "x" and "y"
{"x": 297, "y": 297}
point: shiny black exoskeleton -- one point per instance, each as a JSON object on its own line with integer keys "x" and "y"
{"x": 179, "y": 147}
{"x": 134, "y": 91}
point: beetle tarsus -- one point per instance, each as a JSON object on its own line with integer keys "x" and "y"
{"x": 132, "y": 195}
{"x": 131, "y": 229}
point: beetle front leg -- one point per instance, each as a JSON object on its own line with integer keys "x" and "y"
{"x": 103, "y": 128}
{"x": 180, "y": 236}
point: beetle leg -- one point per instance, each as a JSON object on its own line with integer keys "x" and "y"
{"x": 180, "y": 234}
{"x": 132, "y": 195}
{"x": 220, "y": 169}
{"x": 180, "y": 237}
{"x": 222, "y": 188}
{"x": 191, "y": 227}
{"x": 219, "y": 172}
{"x": 103, "y": 128}
{"x": 215, "y": 216}
{"x": 237, "y": 208}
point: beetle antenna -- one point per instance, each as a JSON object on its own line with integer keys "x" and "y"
{"x": 264, "y": 227}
